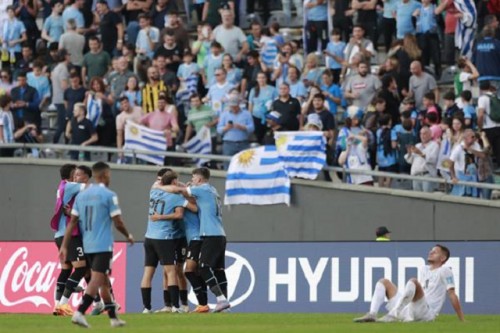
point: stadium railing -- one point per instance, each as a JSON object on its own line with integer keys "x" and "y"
{"x": 58, "y": 149}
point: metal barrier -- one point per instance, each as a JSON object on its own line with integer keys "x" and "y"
{"x": 134, "y": 152}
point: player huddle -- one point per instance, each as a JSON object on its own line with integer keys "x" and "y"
{"x": 184, "y": 229}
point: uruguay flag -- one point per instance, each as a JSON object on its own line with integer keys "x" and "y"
{"x": 189, "y": 87}
{"x": 466, "y": 26}
{"x": 142, "y": 138}
{"x": 303, "y": 153}
{"x": 201, "y": 143}
{"x": 257, "y": 177}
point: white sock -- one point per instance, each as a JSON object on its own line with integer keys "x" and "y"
{"x": 221, "y": 298}
{"x": 63, "y": 301}
{"x": 408, "y": 295}
{"x": 378, "y": 298}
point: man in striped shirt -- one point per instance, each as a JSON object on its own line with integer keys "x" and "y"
{"x": 152, "y": 89}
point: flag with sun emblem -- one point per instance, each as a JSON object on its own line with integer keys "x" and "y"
{"x": 257, "y": 177}
{"x": 142, "y": 138}
{"x": 303, "y": 153}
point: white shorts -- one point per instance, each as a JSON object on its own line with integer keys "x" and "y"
{"x": 415, "y": 311}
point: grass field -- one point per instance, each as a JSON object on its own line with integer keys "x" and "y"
{"x": 252, "y": 322}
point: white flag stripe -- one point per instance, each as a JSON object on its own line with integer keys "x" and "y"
{"x": 201, "y": 143}
{"x": 142, "y": 138}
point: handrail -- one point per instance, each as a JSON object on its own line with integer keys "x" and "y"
{"x": 135, "y": 152}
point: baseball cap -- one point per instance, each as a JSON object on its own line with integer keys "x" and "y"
{"x": 314, "y": 120}
{"x": 274, "y": 116}
{"x": 382, "y": 231}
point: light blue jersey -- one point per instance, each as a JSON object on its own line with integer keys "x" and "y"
{"x": 382, "y": 159}
{"x": 70, "y": 191}
{"x": 209, "y": 208}
{"x": 96, "y": 206}
{"x": 298, "y": 89}
{"x": 212, "y": 62}
{"x": 217, "y": 94}
{"x": 73, "y": 13}
{"x": 266, "y": 94}
{"x": 191, "y": 226}
{"x": 164, "y": 203}
{"x": 337, "y": 49}
{"x": 186, "y": 70}
{"x": 404, "y": 14}
{"x": 54, "y": 25}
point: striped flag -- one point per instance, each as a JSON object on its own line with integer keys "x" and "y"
{"x": 188, "y": 87}
{"x": 142, "y": 138}
{"x": 257, "y": 177}
{"x": 303, "y": 153}
{"x": 466, "y": 26}
{"x": 201, "y": 143}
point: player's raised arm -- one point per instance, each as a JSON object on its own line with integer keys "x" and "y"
{"x": 455, "y": 302}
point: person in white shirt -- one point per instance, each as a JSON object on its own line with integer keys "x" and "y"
{"x": 420, "y": 300}
{"x": 423, "y": 158}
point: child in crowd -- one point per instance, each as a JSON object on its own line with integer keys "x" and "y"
{"x": 386, "y": 153}
{"x": 335, "y": 55}
{"x": 212, "y": 62}
{"x": 187, "y": 68}
{"x": 451, "y": 108}
{"x": 431, "y": 119}
{"x": 468, "y": 109}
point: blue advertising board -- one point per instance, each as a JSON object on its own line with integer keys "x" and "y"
{"x": 334, "y": 276}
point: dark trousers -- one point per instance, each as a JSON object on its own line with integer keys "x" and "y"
{"x": 344, "y": 24}
{"x": 388, "y": 28}
{"x": 493, "y": 135}
{"x": 263, "y": 5}
{"x": 61, "y": 122}
{"x": 260, "y": 129}
{"x": 315, "y": 31}
{"x": 449, "y": 49}
{"x": 429, "y": 44}
{"x": 371, "y": 32}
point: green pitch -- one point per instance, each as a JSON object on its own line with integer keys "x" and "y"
{"x": 251, "y": 322}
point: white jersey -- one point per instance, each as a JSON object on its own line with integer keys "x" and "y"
{"x": 435, "y": 283}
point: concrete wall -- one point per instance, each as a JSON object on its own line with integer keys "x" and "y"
{"x": 319, "y": 211}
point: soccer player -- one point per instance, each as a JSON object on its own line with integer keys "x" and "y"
{"x": 162, "y": 239}
{"x": 66, "y": 193}
{"x": 213, "y": 236}
{"x": 97, "y": 209}
{"x": 422, "y": 299}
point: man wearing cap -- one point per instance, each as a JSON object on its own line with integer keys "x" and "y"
{"x": 110, "y": 27}
{"x": 273, "y": 121}
{"x": 235, "y": 126}
{"x": 383, "y": 234}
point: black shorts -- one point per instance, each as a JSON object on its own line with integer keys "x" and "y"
{"x": 100, "y": 262}
{"x": 391, "y": 168}
{"x": 165, "y": 251}
{"x": 193, "y": 250}
{"x": 75, "y": 248}
{"x": 213, "y": 252}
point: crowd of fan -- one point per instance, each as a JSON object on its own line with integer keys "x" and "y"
{"x": 98, "y": 64}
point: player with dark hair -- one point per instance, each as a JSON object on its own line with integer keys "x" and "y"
{"x": 422, "y": 299}
{"x": 96, "y": 210}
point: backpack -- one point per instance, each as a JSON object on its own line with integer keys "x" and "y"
{"x": 494, "y": 108}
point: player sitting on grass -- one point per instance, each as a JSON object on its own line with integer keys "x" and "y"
{"x": 422, "y": 299}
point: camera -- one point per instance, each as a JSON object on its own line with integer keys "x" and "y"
{"x": 230, "y": 122}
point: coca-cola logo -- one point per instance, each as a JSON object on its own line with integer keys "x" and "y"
{"x": 29, "y": 274}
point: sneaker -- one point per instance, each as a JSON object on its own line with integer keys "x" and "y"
{"x": 367, "y": 318}
{"x": 388, "y": 318}
{"x": 64, "y": 310}
{"x": 222, "y": 305}
{"x": 165, "y": 309}
{"x": 201, "y": 309}
{"x": 147, "y": 311}
{"x": 185, "y": 308}
{"x": 98, "y": 309}
{"x": 115, "y": 322}
{"x": 54, "y": 312}
{"x": 79, "y": 319}
{"x": 178, "y": 310}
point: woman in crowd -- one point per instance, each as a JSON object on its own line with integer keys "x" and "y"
{"x": 233, "y": 73}
{"x": 259, "y": 103}
{"x": 133, "y": 92}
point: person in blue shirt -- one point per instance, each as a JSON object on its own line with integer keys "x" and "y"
{"x": 386, "y": 145}
{"x": 335, "y": 55}
{"x": 95, "y": 211}
{"x": 331, "y": 91}
{"x": 405, "y": 11}
{"x": 53, "y": 27}
{"x": 13, "y": 34}
{"x": 317, "y": 24}
{"x": 298, "y": 89}
{"x": 164, "y": 240}
{"x": 427, "y": 35}
{"x": 259, "y": 102}
{"x": 213, "y": 236}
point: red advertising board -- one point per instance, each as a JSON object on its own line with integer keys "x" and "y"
{"x": 29, "y": 271}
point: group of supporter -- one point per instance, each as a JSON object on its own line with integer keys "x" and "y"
{"x": 99, "y": 64}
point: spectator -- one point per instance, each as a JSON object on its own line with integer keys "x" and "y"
{"x": 358, "y": 44}
{"x": 217, "y": 94}
{"x": 252, "y": 68}
{"x": 235, "y": 127}
{"x": 282, "y": 64}
{"x": 328, "y": 128}
{"x": 259, "y": 103}
{"x": 53, "y": 26}
{"x": 131, "y": 11}
{"x": 25, "y": 103}
{"x": 6, "y": 84}
{"x": 388, "y": 24}
{"x": 27, "y": 12}
{"x": 355, "y": 157}
{"x": 126, "y": 112}
{"x": 40, "y": 82}
{"x": 110, "y": 27}
{"x": 25, "y": 63}
{"x": 427, "y": 35}
{"x": 171, "y": 51}
{"x": 212, "y": 62}
{"x": 73, "y": 11}
{"x": 383, "y": 234}
{"x": 233, "y": 74}
{"x": 335, "y": 54}
{"x": 451, "y": 108}
{"x": 288, "y": 107}
{"x": 297, "y": 88}
{"x": 81, "y": 132}
{"x": 423, "y": 158}
{"x": 6, "y": 126}
{"x": 201, "y": 47}
{"x": 452, "y": 137}
{"x": 470, "y": 116}
{"x": 212, "y": 11}
{"x": 274, "y": 32}
{"x": 367, "y": 16}
{"x": 96, "y": 62}
{"x": 406, "y": 52}
{"x": 406, "y": 139}
{"x": 168, "y": 77}
{"x": 389, "y": 92}
{"x": 405, "y": 11}
{"x": 386, "y": 145}
{"x": 362, "y": 88}
{"x": 331, "y": 91}
{"x": 16, "y": 35}
{"x": 451, "y": 18}
{"x": 468, "y": 74}
{"x": 485, "y": 167}
{"x": 342, "y": 18}
{"x": 431, "y": 120}
{"x": 152, "y": 90}
{"x": 253, "y": 39}
{"x": 160, "y": 12}
{"x": 484, "y": 121}
{"x": 312, "y": 72}
{"x": 147, "y": 38}
{"x": 118, "y": 80}
{"x": 181, "y": 35}
{"x": 72, "y": 40}
{"x": 232, "y": 38}
{"x": 133, "y": 92}
{"x": 487, "y": 56}
{"x": 317, "y": 24}
{"x": 75, "y": 93}
{"x": 421, "y": 83}
{"x": 60, "y": 82}
{"x": 273, "y": 125}
{"x": 463, "y": 164}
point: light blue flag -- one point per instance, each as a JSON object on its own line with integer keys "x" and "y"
{"x": 142, "y": 138}
{"x": 257, "y": 177}
{"x": 302, "y": 153}
{"x": 201, "y": 143}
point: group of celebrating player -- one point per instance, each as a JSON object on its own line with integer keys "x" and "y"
{"x": 184, "y": 229}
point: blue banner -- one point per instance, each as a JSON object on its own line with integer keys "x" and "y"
{"x": 334, "y": 277}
